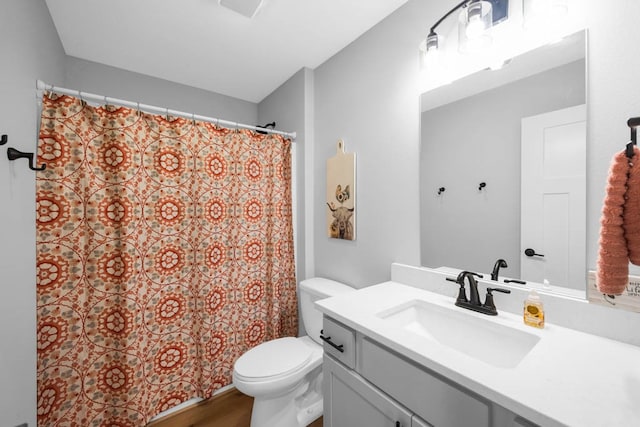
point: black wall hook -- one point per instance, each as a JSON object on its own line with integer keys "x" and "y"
{"x": 633, "y": 123}
{"x": 14, "y": 154}
{"x": 3, "y": 139}
{"x": 441, "y": 190}
{"x": 481, "y": 186}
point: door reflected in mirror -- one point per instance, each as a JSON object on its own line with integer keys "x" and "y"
{"x": 520, "y": 131}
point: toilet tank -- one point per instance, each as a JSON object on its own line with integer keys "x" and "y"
{"x": 312, "y": 290}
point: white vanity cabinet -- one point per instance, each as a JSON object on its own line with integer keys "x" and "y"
{"x": 429, "y": 359}
{"x": 369, "y": 385}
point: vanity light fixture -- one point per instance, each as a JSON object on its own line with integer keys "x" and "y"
{"x": 432, "y": 51}
{"x": 475, "y": 21}
{"x": 474, "y": 26}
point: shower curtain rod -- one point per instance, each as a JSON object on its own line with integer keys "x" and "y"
{"x": 42, "y": 86}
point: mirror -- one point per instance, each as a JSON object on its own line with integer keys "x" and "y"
{"x": 471, "y": 171}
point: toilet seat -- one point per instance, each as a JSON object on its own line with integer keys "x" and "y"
{"x": 272, "y": 360}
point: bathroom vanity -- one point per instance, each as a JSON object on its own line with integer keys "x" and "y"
{"x": 396, "y": 355}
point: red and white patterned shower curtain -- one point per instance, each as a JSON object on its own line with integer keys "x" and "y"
{"x": 164, "y": 252}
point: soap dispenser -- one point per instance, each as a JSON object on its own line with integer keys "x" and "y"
{"x": 533, "y": 310}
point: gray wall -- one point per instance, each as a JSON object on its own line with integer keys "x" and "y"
{"x": 477, "y": 139}
{"x": 101, "y": 79}
{"x": 367, "y": 95}
{"x": 29, "y": 50}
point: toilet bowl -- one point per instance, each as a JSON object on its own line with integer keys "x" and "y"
{"x": 284, "y": 375}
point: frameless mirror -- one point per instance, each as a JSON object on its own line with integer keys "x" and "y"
{"x": 502, "y": 165}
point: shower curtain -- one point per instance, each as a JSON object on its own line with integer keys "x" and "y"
{"x": 164, "y": 252}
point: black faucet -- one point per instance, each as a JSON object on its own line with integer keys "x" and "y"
{"x": 473, "y": 303}
{"x": 473, "y": 287}
{"x": 496, "y": 268}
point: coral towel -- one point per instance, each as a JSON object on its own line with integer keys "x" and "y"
{"x": 631, "y": 215}
{"x": 613, "y": 254}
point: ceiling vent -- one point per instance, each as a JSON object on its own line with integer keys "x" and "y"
{"x": 248, "y": 8}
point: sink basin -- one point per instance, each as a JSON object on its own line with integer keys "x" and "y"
{"x": 496, "y": 344}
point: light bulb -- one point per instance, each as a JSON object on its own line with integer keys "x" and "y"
{"x": 474, "y": 24}
{"x": 432, "y": 58}
{"x": 475, "y": 27}
{"x": 432, "y": 51}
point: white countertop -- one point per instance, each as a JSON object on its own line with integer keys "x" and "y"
{"x": 568, "y": 378}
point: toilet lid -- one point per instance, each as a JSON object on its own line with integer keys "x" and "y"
{"x": 272, "y": 358}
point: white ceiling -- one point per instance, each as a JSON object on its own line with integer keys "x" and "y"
{"x": 202, "y": 44}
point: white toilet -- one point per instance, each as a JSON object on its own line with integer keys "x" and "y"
{"x": 284, "y": 375}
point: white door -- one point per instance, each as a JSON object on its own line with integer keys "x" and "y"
{"x": 553, "y": 198}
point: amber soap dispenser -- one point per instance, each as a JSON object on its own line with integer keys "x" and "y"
{"x": 534, "y": 310}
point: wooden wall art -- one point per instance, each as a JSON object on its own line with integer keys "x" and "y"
{"x": 341, "y": 194}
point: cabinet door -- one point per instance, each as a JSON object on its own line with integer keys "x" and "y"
{"x": 349, "y": 401}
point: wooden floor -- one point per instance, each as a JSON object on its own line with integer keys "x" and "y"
{"x": 228, "y": 409}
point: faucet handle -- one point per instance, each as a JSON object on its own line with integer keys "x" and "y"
{"x": 462, "y": 293}
{"x": 488, "y": 302}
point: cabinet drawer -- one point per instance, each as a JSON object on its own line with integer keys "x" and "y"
{"x": 339, "y": 341}
{"x": 431, "y": 398}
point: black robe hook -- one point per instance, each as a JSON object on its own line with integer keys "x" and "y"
{"x": 14, "y": 154}
{"x": 4, "y": 139}
{"x": 633, "y": 123}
